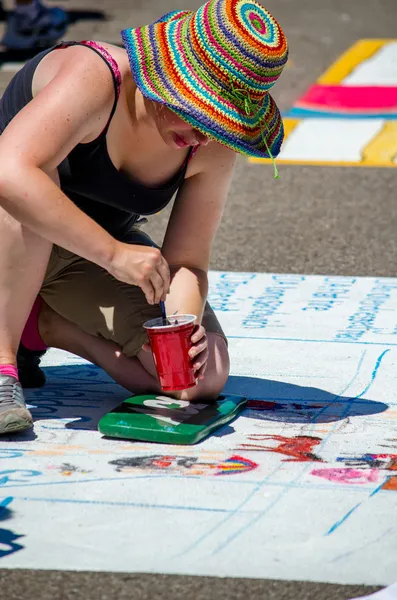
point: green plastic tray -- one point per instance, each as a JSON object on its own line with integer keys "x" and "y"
{"x": 163, "y": 420}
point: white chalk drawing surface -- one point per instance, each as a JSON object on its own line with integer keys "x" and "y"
{"x": 389, "y": 593}
{"x": 302, "y": 486}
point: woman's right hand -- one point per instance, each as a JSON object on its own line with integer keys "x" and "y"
{"x": 142, "y": 266}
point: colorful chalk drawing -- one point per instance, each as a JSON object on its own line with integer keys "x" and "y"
{"x": 186, "y": 465}
{"x": 301, "y": 486}
{"x": 349, "y": 117}
{"x": 347, "y": 475}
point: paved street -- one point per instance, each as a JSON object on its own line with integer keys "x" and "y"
{"x": 313, "y": 220}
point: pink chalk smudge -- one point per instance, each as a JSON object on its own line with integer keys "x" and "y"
{"x": 355, "y": 476}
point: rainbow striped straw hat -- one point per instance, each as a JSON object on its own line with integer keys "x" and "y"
{"x": 214, "y": 69}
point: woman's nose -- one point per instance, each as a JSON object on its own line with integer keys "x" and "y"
{"x": 201, "y": 138}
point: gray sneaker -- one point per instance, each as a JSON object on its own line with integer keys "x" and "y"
{"x": 14, "y": 416}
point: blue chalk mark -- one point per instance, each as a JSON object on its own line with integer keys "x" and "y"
{"x": 343, "y": 519}
{"x": 4, "y": 511}
{"x": 374, "y": 372}
{"x": 339, "y": 396}
{"x": 373, "y": 376}
{"x": 229, "y": 516}
{"x": 284, "y": 339}
{"x": 325, "y": 487}
{"x": 346, "y": 554}
{"x": 365, "y": 390}
{"x": 302, "y": 113}
{"x": 378, "y": 489}
{"x": 372, "y": 494}
{"x": 126, "y": 504}
{"x": 5, "y": 502}
{"x": 252, "y": 522}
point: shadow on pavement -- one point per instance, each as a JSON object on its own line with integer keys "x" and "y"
{"x": 77, "y": 396}
{"x": 290, "y": 403}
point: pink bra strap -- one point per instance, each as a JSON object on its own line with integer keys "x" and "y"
{"x": 108, "y": 58}
{"x": 112, "y": 64}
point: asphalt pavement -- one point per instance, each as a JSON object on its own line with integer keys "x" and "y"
{"x": 327, "y": 220}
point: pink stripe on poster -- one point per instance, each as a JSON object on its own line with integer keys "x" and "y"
{"x": 349, "y": 98}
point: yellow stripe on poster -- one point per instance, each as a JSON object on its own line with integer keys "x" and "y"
{"x": 289, "y": 126}
{"x": 356, "y": 54}
{"x": 383, "y": 148}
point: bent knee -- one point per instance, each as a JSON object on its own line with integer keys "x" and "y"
{"x": 216, "y": 374}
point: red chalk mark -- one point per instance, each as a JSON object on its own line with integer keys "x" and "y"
{"x": 349, "y": 98}
{"x": 299, "y": 448}
{"x": 164, "y": 462}
{"x": 390, "y": 484}
{"x": 393, "y": 464}
{"x": 347, "y": 475}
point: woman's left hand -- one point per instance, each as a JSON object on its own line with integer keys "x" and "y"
{"x": 199, "y": 351}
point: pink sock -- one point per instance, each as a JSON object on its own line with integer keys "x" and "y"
{"x": 30, "y": 336}
{"x": 9, "y": 370}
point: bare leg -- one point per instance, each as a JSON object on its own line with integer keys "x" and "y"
{"x": 137, "y": 374}
{"x": 23, "y": 261}
{"x": 58, "y": 332}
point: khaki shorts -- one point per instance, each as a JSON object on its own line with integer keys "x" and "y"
{"x": 99, "y": 304}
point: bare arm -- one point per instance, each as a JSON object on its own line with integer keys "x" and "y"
{"x": 39, "y": 137}
{"x": 192, "y": 227}
{"x": 72, "y": 108}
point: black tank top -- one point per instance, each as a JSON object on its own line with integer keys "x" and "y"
{"x": 88, "y": 176}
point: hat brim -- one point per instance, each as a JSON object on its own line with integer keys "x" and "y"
{"x": 247, "y": 145}
{"x": 173, "y": 82}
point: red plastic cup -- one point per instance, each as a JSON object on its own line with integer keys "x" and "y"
{"x": 170, "y": 347}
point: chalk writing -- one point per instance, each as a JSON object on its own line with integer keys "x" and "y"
{"x": 331, "y": 293}
{"x": 270, "y": 300}
{"x": 5, "y": 476}
{"x": 223, "y": 293}
{"x": 368, "y": 309}
{"x": 11, "y": 453}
